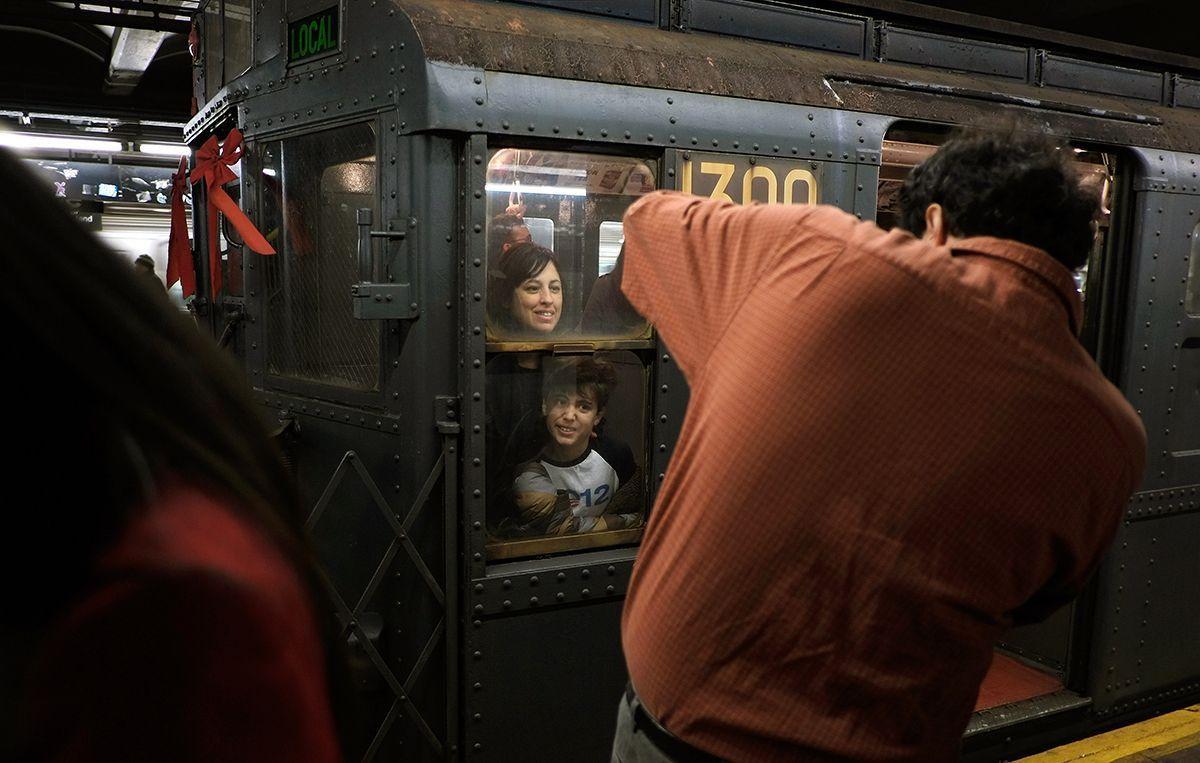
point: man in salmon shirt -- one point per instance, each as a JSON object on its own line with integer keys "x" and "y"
{"x": 895, "y": 449}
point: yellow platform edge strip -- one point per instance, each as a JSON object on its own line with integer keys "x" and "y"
{"x": 1163, "y": 734}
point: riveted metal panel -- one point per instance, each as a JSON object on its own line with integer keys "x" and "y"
{"x": 551, "y": 583}
{"x": 1187, "y": 93}
{"x": 1160, "y": 503}
{"x": 1162, "y": 369}
{"x": 522, "y": 106}
{"x": 828, "y": 31}
{"x": 511, "y": 661}
{"x": 1076, "y": 74}
{"x": 472, "y": 350}
{"x": 1146, "y": 631}
{"x": 633, "y": 10}
{"x": 911, "y": 46}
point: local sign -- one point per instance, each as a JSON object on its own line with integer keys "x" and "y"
{"x": 313, "y": 36}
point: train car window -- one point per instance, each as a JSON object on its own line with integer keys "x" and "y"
{"x": 311, "y": 187}
{"x": 1192, "y": 297}
{"x": 238, "y": 39}
{"x": 612, "y": 237}
{"x": 905, "y": 148}
{"x": 566, "y": 452}
{"x": 214, "y": 54}
{"x": 578, "y": 194}
{"x": 541, "y": 230}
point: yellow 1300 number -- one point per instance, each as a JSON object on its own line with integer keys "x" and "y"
{"x": 734, "y": 178}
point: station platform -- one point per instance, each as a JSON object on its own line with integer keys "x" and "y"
{"x": 1168, "y": 738}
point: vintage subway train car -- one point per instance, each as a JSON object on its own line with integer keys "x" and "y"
{"x": 384, "y": 137}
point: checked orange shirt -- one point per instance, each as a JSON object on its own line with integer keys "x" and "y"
{"x": 893, "y": 452}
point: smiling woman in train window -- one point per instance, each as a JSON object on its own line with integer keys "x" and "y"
{"x": 525, "y": 291}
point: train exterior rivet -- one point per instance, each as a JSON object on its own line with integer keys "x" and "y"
{"x": 479, "y": 102}
{"x": 610, "y": 589}
{"x": 628, "y": 135}
{"x": 533, "y": 601}
{"x": 554, "y": 129}
{"x": 561, "y": 576}
{"x": 585, "y": 592}
{"x": 559, "y": 596}
{"x": 477, "y": 556}
{"x": 585, "y": 574}
{"x": 504, "y": 125}
{"x": 604, "y": 133}
{"x": 533, "y": 580}
{"x": 611, "y": 570}
{"x": 672, "y": 100}
{"x": 670, "y": 172}
{"x": 532, "y": 127}
{"x": 479, "y": 588}
{"x": 507, "y": 584}
{"x": 579, "y": 131}
{"x": 479, "y": 609}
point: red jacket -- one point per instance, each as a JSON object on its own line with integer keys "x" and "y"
{"x": 197, "y": 642}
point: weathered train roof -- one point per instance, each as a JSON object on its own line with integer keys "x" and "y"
{"x": 509, "y": 38}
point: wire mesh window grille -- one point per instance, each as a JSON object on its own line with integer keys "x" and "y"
{"x": 312, "y": 185}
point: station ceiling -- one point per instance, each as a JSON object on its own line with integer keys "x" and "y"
{"x": 129, "y": 58}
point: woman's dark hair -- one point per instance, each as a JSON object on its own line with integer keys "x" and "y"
{"x": 1006, "y": 184}
{"x": 123, "y": 390}
{"x": 506, "y": 272}
{"x": 583, "y": 375}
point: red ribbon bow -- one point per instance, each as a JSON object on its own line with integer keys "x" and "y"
{"x": 179, "y": 248}
{"x": 212, "y": 167}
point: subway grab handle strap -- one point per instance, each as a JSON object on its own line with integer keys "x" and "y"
{"x": 212, "y": 167}
{"x": 179, "y": 249}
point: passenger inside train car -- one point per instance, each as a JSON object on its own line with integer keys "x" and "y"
{"x": 581, "y": 480}
{"x": 554, "y": 237}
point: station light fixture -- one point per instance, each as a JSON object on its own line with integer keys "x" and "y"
{"x": 544, "y": 190}
{"x": 164, "y": 149}
{"x": 27, "y": 141}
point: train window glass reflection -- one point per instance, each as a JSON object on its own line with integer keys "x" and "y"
{"x": 311, "y": 187}
{"x": 1192, "y": 296}
{"x": 541, "y": 230}
{"x": 213, "y": 49}
{"x": 612, "y": 237}
{"x": 579, "y": 196}
{"x": 237, "y": 38}
{"x": 565, "y": 452}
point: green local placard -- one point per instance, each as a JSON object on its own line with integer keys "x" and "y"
{"x": 313, "y": 35}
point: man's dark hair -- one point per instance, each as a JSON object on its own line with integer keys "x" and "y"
{"x": 501, "y": 227}
{"x": 583, "y": 375}
{"x": 1007, "y": 184}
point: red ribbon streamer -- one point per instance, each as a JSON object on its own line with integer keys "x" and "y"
{"x": 179, "y": 249}
{"x": 212, "y": 167}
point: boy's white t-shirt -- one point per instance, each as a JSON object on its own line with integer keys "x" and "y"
{"x": 590, "y": 481}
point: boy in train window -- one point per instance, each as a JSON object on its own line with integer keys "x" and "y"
{"x": 581, "y": 481}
